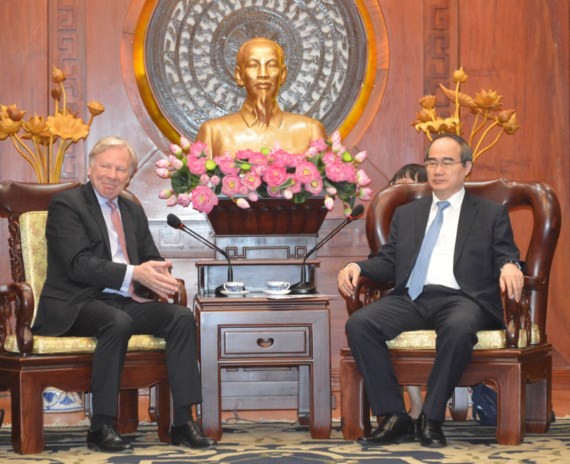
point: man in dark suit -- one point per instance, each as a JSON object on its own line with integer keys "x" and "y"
{"x": 469, "y": 256}
{"x": 100, "y": 250}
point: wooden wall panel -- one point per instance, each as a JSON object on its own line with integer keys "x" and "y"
{"x": 520, "y": 49}
{"x": 24, "y": 81}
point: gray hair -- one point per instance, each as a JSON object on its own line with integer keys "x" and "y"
{"x": 113, "y": 141}
{"x": 466, "y": 151}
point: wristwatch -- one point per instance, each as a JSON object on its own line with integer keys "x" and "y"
{"x": 516, "y": 263}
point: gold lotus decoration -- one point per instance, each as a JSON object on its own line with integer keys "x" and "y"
{"x": 43, "y": 141}
{"x": 489, "y": 123}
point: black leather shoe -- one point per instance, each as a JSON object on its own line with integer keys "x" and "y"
{"x": 429, "y": 432}
{"x": 190, "y": 435}
{"x": 107, "y": 440}
{"x": 394, "y": 429}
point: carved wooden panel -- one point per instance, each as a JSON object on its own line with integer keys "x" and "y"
{"x": 67, "y": 51}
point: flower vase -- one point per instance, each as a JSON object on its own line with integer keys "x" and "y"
{"x": 268, "y": 216}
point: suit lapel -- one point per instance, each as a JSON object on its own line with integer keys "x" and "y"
{"x": 467, "y": 215}
{"x": 95, "y": 210}
{"x": 420, "y": 222}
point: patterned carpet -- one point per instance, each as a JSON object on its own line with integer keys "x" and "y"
{"x": 279, "y": 443}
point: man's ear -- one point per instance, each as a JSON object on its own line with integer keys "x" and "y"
{"x": 468, "y": 167}
{"x": 283, "y": 76}
{"x": 238, "y": 78}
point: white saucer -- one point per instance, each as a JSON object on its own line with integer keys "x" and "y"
{"x": 277, "y": 292}
{"x": 240, "y": 293}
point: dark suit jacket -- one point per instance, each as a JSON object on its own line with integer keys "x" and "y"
{"x": 79, "y": 255}
{"x": 484, "y": 243}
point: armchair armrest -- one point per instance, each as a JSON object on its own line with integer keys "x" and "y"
{"x": 365, "y": 292}
{"x": 20, "y": 296}
{"x": 517, "y": 315}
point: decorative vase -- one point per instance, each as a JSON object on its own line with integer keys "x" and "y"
{"x": 268, "y": 216}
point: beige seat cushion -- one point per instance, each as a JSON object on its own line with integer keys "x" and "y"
{"x": 488, "y": 340}
{"x": 69, "y": 345}
{"x": 34, "y": 254}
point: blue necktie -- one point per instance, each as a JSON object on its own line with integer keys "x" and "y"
{"x": 419, "y": 273}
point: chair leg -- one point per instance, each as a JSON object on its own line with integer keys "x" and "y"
{"x": 163, "y": 411}
{"x": 539, "y": 400}
{"x": 128, "y": 414}
{"x": 511, "y": 400}
{"x": 27, "y": 417}
{"x": 354, "y": 407}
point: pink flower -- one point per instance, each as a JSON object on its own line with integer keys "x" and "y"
{"x": 175, "y": 149}
{"x": 335, "y": 137}
{"x": 231, "y": 185}
{"x": 365, "y": 194}
{"x": 185, "y": 143}
{"x": 319, "y": 144}
{"x": 335, "y": 171}
{"x": 198, "y": 149}
{"x": 215, "y": 180}
{"x": 172, "y": 201}
{"x": 349, "y": 173}
{"x": 196, "y": 165}
{"x": 165, "y": 194}
{"x": 203, "y": 199}
{"x": 329, "y": 203}
{"x": 296, "y": 185}
{"x": 362, "y": 178}
{"x": 274, "y": 192}
{"x": 227, "y": 165}
{"x": 315, "y": 186}
{"x": 329, "y": 157}
{"x": 251, "y": 180}
{"x": 287, "y": 194}
{"x": 163, "y": 173}
{"x": 175, "y": 163}
{"x": 275, "y": 175}
{"x": 204, "y": 179}
{"x": 162, "y": 163}
{"x": 252, "y": 196}
{"x": 242, "y": 203}
{"x": 306, "y": 172}
{"x": 361, "y": 156}
{"x": 331, "y": 191}
{"x": 184, "y": 200}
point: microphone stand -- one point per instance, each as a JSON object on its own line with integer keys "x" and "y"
{"x": 177, "y": 224}
{"x": 304, "y": 287}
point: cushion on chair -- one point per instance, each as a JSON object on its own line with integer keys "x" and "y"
{"x": 34, "y": 255}
{"x": 488, "y": 340}
{"x": 63, "y": 345}
{"x": 34, "y": 251}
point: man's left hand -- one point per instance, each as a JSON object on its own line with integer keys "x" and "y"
{"x": 511, "y": 281}
{"x": 155, "y": 275}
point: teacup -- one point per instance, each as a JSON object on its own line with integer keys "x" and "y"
{"x": 234, "y": 287}
{"x": 278, "y": 285}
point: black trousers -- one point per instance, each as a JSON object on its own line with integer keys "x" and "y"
{"x": 456, "y": 319}
{"x": 112, "y": 319}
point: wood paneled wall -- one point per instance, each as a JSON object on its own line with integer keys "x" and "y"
{"x": 518, "y": 47}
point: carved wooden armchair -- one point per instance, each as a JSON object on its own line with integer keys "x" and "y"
{"x": 516, "y": 360}
{"x": 29, "y": 364}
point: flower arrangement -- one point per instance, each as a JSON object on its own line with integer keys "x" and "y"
{"x": 325, "y": 169}
{"x": 486, "y": 107}
{"x": 43, "y": 142}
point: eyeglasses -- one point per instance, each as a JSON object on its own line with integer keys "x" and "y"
{"x": 446, "y": 163}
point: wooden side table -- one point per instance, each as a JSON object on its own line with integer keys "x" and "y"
{"x": 256, "y": 332}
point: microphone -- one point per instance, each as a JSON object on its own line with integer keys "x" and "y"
{"x": 303, "y": 286}
{"x": 175, "y": 222}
